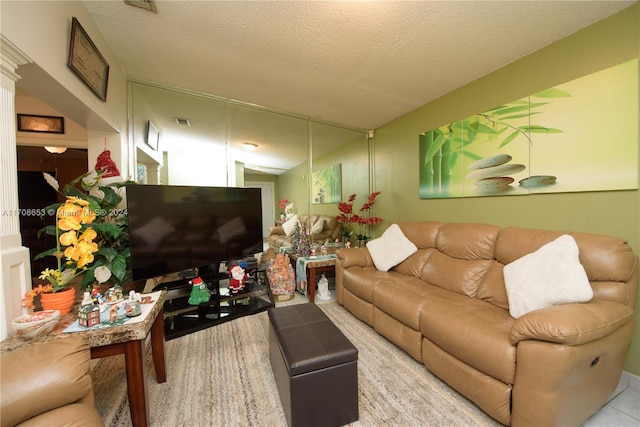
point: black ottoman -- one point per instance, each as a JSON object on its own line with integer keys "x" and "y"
{"x": 315, "y": 367}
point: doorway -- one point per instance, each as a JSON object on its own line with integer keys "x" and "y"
{"x": 267, "y": 190}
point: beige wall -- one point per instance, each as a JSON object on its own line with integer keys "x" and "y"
{"x": 617, "y": 213}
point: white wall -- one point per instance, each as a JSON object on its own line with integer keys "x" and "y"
{"x": 40, "y": 31}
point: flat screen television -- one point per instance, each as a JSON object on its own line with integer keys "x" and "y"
{"x": 178, "y": 228}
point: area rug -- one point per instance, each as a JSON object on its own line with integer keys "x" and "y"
{"x": 221, "y": 376}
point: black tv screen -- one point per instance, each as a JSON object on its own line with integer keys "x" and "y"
{"x": 177, "y": 228}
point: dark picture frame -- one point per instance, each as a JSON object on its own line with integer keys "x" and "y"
{"x": 153, "y": 136}
{"x": 87, "y": 62}
{"x": 35, "y": 123}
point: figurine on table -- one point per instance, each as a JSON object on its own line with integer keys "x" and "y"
{"x": 281, "y": 276}
{"x": 323, "y": 288}
{"x": 199, "y": 292}
{"x": 238, "y": 277}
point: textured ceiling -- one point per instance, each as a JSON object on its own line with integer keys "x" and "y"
{"x": 356, "y": 63}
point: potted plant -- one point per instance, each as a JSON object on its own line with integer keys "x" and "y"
{"x": 363, "y": 220}
{"x": 92, "y": 238}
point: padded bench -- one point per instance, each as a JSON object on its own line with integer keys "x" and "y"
{"x": 315, "y": 367}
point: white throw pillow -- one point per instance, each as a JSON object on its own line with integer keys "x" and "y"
{"x": 317, "y": 227}
{"x": 549, "y": 276}
{"x": 391, "y": 248}
{"x": 290, "y": 225}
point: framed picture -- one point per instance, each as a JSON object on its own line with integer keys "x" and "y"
{"x": 153, "y": 136}
{"x": 46, "y": 124}
{"x": 87, "y": 62}
{"x": 327, "y": 185}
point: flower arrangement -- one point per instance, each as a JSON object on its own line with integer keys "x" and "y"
{"x": 92, "y": 236}
{"x": 282, "y": 204}
{"x": 363, "y": 219}
{"x": 287, "y": 209}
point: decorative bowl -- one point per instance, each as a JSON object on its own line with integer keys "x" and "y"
{"x": 36, "y": 325}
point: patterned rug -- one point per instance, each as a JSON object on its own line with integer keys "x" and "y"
{"x": 221, "y": 376}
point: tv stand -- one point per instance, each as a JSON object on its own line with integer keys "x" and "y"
{"x": 181, "y": 318}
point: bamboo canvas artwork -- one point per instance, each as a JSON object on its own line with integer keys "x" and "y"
{"x": 577, "y": 136}
{"x": 327, "y": 185}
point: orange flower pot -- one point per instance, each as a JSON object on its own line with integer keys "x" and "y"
{"x": 62, "y": 300}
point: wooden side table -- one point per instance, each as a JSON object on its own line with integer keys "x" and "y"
{"x": 127, "y": 339}
{"x": 313, "y": 267}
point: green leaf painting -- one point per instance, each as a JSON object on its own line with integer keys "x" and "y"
{"x": 550, "y": 141}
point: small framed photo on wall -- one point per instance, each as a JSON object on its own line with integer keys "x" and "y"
{"x": 153, "y": 136}
{"x": 34, "y": 123}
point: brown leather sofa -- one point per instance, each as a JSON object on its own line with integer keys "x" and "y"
{"x": 447, "y": 306}
{"x": 48, "y": 384}
{"x": 331, "y": 230}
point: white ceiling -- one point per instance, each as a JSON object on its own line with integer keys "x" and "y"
{"x": 357, "y": 63}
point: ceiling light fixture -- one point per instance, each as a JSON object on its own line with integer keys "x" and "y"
{"x": 249, "y": 146}
{"x": 55, "y": 150}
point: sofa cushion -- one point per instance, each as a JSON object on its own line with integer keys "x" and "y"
{"x": 413, "y": 265}
{"x": 462, "y": 276}
{"x": 473, "y": 331}
{"x": 391, "y": 248}
{"x": 549, "y": 276}
{"x": 289, "y": 225}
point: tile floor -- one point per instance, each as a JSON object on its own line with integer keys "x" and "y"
{"x": 622, "y": 410}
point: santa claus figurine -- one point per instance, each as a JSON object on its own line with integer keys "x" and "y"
{"x": 238, "y": 277}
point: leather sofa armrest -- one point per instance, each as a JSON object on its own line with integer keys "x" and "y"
{"x": 276, "y": 230}
{"x": 571, "y": 324}
{"x": 44, "y": 376}
{"x": 355, "y": 256}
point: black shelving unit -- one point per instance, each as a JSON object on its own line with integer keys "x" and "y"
{"x": 181, "y": 318}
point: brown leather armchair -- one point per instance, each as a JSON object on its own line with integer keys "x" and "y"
{"x": 48, "y": 384}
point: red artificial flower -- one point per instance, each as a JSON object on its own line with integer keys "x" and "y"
{"x": 282, "y": 204}
{"x": 346, "y": 211}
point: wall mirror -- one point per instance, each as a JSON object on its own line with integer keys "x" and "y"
{"x": 202, "y": 142}
{"x": 340, "y": 167}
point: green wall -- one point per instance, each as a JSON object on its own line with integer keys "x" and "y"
{"x": 617, "y": 213}
{"x": 293, "y": 185}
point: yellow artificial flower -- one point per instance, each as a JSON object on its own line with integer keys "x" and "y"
{"x": 86, "y": 251}
{"x": 48, "y": 272}
{"x": 88, "y": 235}
{"x": 69, "y": 238}
{"x": 81, "y": 252}
{"x": 80, "y": 249}
{"x": 73, "y": 213}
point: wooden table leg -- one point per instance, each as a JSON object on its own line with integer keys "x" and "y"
{"x": 311, "y": 284}
{"x": 134, "y": 357}
{"x": 157, "y": 347}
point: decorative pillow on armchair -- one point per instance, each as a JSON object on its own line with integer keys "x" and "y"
{"x": 391, "y": 248}
{"x": 551, "y": 275}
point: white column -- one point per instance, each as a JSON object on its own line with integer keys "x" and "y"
{"x": 15, "y": 270}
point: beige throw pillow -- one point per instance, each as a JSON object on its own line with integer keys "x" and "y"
{"x": 317, "y": 227}
{"x": 391, "y": 248}
{"x": 289, "y": 226}
{"x": 550, "y": 276}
